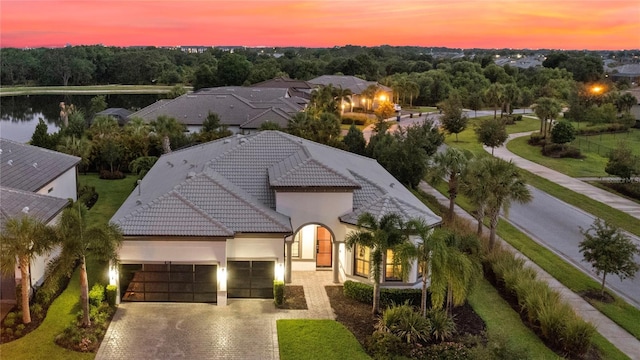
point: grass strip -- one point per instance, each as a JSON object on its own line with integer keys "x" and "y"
{"x": 300, "y": 340}
{"x": 93, "y": 89}
{"x": 503, "y": 321}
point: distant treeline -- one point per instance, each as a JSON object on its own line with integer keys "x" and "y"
{"x": 435, "y": 75}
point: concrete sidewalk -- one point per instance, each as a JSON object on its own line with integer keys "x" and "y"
{"x": 619, "y": 337}
{"x": 576, "y": 185}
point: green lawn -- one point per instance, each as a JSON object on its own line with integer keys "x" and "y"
{"x": 503, "y": 321}
{"x": 591, "y": 166}
{"x": 317, "y": 339}
{"x": 468, "y": 140}
{"x": 94, "y": 89}
{"x": 602, "y": 144}
{"x": 39, "y": 343}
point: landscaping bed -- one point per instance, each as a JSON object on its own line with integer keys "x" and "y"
{"x": 356, "y": 316}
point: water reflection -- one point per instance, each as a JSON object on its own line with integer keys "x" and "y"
{"x": 19, "y": 115}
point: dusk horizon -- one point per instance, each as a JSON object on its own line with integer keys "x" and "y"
{"x": 539, "y": 24}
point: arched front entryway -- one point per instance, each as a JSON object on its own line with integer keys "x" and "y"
{"x": 312, "y": 248}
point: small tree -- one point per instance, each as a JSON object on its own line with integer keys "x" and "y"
{"x": 609, "y": 251}
{"x": 354, "y": 140}
{"x": 453, "y": 119}
{"x": 385, "y": 110}
{"x": 492, "y": 133}
{"x": 563, "y": 132}
{"x": 623, "y": 163}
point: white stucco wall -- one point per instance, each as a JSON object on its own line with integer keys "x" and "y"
{"x": 322, "y": 208}
{"x": 134, "y": 252}
{"x": 245, "y": 248}
{"x": 64, "y": 186}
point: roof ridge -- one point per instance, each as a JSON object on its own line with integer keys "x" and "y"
{"x": 198, "y": 209}
{"x": 235, "y": 193}
{"x": 382, "y": 190}
{"x": 334, "y": 171}
{"x": 29, "y": 146}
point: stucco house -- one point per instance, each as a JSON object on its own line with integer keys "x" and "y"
{"x": 226, "y": 218}
{"x": 357, "y": 87}
{"x": 242, "y": 109}
{"x": 37, "y": 182}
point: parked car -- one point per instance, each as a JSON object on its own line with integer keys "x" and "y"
{"x": 397, "y": 107}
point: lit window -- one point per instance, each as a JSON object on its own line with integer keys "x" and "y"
{"x": 391, "y": 272}
{"x": 295, "y": 247}
{"x": 362, "y": 256}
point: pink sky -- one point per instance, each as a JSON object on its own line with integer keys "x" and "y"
{"x": 557, "y": 24}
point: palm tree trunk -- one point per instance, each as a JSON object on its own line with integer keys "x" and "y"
{"x": 479, "y": 217}
{"x": 84, "y": 293}
{"x": 604, "y": 276}
{"x": 376, "y": 298}
{"x": 166, "y": 145}
{"x": 493, "y": 224}
{"x": 24, "y": 289}
{"x": 423, "y": 302}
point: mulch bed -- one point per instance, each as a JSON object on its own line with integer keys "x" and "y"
{"x": 294, "y": 298}
{"x": 357, "y": 317}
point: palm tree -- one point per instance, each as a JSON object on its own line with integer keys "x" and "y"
{"x": 474, "y": 187}
{"x": 494, "y": 96}
{"x": 453, "y": 272}
{"x": 81, "y": 239}
{"x": 21, "y": 240}
{"x": 343, "y": 95}
{"x": 379, "y": 235}
{"x": 413, "y": 90}
{"x": 511, "y": 96}
{"x": 81, "y": 148}
{"x": 546, "y": 109}
{"x": 421, "y": 253}
{"x": 103, "y": 126}
{"x": 450, "y": 164}
{"x": 369, "y": 93}
{"x": 165, "y": 126}
{"x": 504, "y": 184}
{"x": 625, "y": 102}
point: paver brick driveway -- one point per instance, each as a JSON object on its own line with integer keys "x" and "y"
{"x": 244, "y": 329}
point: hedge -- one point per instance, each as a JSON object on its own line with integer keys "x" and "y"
{"x": 388, "y": 296}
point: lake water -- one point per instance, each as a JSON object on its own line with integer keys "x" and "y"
{"x": 19, "y": 115}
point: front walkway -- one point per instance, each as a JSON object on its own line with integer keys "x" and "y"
{"x": 244, "y": 329}
{"x": 619, "y": 337}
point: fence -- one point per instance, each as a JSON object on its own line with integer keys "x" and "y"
{"x": 590, "y": 143}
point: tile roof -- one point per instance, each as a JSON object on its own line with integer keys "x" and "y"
{"x": 355, "y": 84}
{"x": 228, "y": 185}
{"x": 245, "y": 107}
{"x": 42, "y": 207}
{"x": 30, "y": 168}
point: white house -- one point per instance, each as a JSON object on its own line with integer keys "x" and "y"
{"x": 224, "y": 219}
{"x": 37, "y": 182}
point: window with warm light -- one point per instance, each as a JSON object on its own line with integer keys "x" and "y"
{"x": 295, "y": 246}
{"x": 362, "y": 261}
{"x": 391, "y": 272}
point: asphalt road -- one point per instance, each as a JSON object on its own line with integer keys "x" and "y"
{"x": 556, "y": 225}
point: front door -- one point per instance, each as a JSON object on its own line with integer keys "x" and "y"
{"x": 323, "y": 247}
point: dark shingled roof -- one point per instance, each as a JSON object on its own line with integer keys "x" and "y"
{"x": 30, "y": 168}
{"x": 16, "y": 203}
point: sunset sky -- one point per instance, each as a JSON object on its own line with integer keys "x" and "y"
{"x": 533, "y": 24}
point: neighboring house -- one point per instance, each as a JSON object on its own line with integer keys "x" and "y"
{"x": 297, "y": 88}
{"x": 630, "y": 72}
{"x": 225, "y": 218}
{"x": 46, "y": 209}
{"x": 357, "y": 86}
{"x": 38, "y": 182}
{"x": 241, "y": 109}
{"x": 120, "y": 114}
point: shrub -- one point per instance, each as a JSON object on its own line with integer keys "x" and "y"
{"x": 536, "y": 139}
{"x": 385, "y": 345}
{"x": 552, "y": 318}
{"x": 8, "y": 332}
{"x": 108, "y": 175}
{"x": 561, "y": 151}
{"x": 278, "y": 292}
{"x": 447, "y": 351}
{"x": 87, "y": 195}
{"x": 405, "y": 323}
{"x": 96, "y": 295}
{"x": 364, "y": 293}
{"x": 604, "y": 128}
{"x": 111, "y": 295}
{"x": 357, "y": 119}
{"x": 9, "y": 322}
{"x": 442, "y": 325}
{"x": 56, "y": 279}
{"x": 577, "y": 335}
{"x": 37, "y": 311}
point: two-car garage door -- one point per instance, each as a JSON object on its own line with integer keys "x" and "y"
{"x": 195, "y": 282}
{"x": 169, "y": 282}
